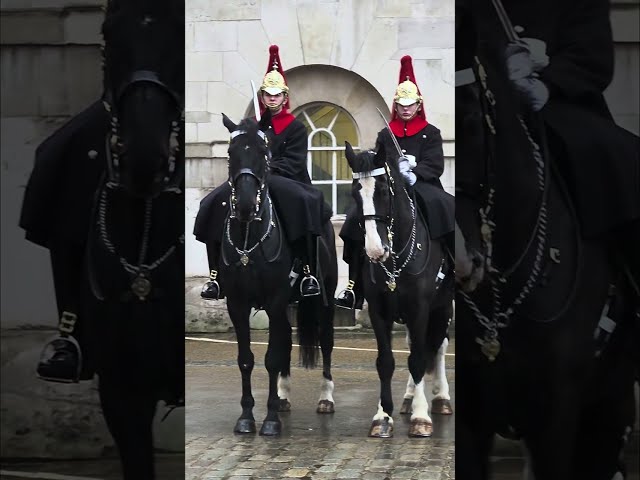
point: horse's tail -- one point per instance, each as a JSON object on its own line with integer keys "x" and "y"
{"x": 309, "y": 317}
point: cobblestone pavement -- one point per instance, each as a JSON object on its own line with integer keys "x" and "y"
{"x": 312, "y": 446}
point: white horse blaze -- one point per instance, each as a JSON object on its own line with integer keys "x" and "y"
{"x": 372, "y": 242}
{"x": 284, "y": 387}
{"x": 420, "y": 406}
{"x": 326, "y": 391}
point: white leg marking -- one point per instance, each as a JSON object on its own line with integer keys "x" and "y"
{"x": 326, "y": 391}
{"x": 380, "y": 414}
{"x": 411, "y": 388}
{"x": 440, "y": 384}
{"x": 284, "y": 387}
{"x": 372, "y": 241}
{"x": 420, "y": 406}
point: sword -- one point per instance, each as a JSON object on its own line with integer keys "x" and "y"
{"x": 512, "y": 35}
{"x": 393, "y": 137}
{"x": 256, "y": 105}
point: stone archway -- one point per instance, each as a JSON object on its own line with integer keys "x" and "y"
{"x": 341, "y": 87}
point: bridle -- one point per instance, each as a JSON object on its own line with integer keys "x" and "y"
{"x": 113, "y": 148}
{"x": 262, "y": 181}
{"x": 246, "y": 250}
{"x": 388, "y": 220}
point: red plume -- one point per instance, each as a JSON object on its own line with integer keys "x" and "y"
{"x": 406, "y": 73}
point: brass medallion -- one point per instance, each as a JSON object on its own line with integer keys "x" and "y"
{"x": 490, "y": 348}
{"x": 141, "y": 286}
{"x": 244, "y": 259}
{"x": 392, "y": 285}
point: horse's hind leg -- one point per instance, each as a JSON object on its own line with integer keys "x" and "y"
{"x": 129, "y": 418}
{"x": 239, "y": 314}
{"x": 441, "y": 403}
{"x": 326, "y": 403}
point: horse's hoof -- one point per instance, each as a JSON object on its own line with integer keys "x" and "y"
{"x": 420, "y": 428}
{"x": 271, "y": 428}
{"x": 285, "y": 405}
{"x": 382, "y": 428}
{"x": 441, "y": 406}
{"x": 405, "y": 409}
{"x": 325, "y": 406}
{"x": 245, "y": 425}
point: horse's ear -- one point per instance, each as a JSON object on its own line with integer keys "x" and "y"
{"x": 349, "y": 153}
{"x": 228, "y": 123}
{"x": 265, "y": 120}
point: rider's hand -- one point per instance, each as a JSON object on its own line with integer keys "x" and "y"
{"x": 533, "y": 91}
{"x": 410, "y": 177}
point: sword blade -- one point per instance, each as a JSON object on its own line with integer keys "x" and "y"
{"x": 505, "y": 21}
{"x": 393, "y": 137}
{"x": 256, "y": 105}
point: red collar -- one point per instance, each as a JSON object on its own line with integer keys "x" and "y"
{"x": 280, "y": 121}
{"x": 400, "y": 128}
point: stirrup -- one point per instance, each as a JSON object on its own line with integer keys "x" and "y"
{"x": 347, "y": 298}
{"x": 309, "y": 286}
{"x": 60, "y": 360}
{"x": 211, "y": 289}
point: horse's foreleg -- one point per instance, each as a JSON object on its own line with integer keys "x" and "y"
{"x": 441, "y": 403}
{"x": 421, "y": 423}
{"x": 240, "y": 318}
{"x": 326, "y": 403}
{"x": 411, "y": 387}
{"x": 382, "y": 425}
{"x": 130, "y": 421}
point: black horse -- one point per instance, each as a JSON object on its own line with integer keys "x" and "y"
{"x": 114, "y": 224}
{"x": 400, "y": 281}
{"x": 532, "y": 293}
{"x": 255, "y": 266}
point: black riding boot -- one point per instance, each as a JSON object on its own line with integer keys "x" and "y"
{"x": 211, "y": 289}
{"x": 352, "y": 297}
{"x": 309, "y": 285}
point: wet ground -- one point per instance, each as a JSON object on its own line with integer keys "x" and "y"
{"x": 312, "y": 445}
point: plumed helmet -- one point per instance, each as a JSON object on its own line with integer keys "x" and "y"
{"x": 273, "y": 82}
{"x": 407, "y": 92}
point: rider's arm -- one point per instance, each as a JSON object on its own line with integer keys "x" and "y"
{"x": 431, "y": 162}
{"x": 292, "y": 163}
{"x": 581, "y": 62}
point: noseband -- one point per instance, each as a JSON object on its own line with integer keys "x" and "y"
{"x": 247, "y": 171}
{"x": 114, "y": 145}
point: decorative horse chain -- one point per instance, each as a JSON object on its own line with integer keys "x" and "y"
{"x": 500, "y": 317}
{"x": 395, "y": 272}
{"x": 141, "y": 284}
{"x": 244, "y": 253}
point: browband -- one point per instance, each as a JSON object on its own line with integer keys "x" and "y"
{"x": 235, "y": 133}
{"x": 372, "y": 173}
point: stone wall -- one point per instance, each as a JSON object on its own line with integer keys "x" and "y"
{"x": 344, "y": 52}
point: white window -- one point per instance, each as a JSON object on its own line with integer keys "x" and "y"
{"x": 328, "y": 126}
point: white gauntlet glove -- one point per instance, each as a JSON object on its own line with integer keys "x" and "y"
{"x": 522, "y": 68}
{"x": 405, "y": 165}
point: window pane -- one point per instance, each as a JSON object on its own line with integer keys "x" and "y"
{"x": 344, "y": 198}
{"x": 345, "y": 129}
{"x": 322, "y": 139}
{"x": 343, "y": 170}
{"x": 321, "y": 165}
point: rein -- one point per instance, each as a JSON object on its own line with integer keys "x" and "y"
{"x": 501, "y": 316}
{"x": 395, "y": 272}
